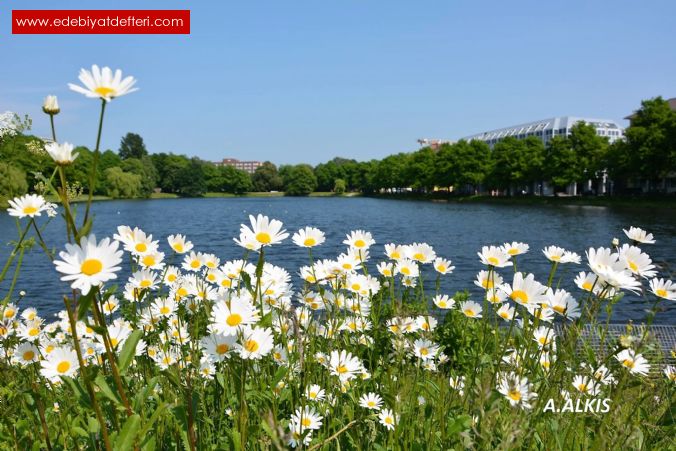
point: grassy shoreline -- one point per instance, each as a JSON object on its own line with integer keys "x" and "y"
{"x": 668, "y": 202}
{"x": 616, "y": 201}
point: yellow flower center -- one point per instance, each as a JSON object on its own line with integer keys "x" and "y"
{"x": 341, "y": 369}
{"x": 91, "y": 266}
{"x": 389, "y": 420}
{"x": 105, "y": 91}
{"x": 63, "y": 366}
{"x": 513, "y": 251}
{"x": 141, "y": 247}
{"x": 33, "y": 332}
{"x": 251, "y": 345}
{"x": 633, "y": 266}
{"x": 183, "y": 291}
{"x": 359, "y": 243}
{"x": 263, "y": 237}
{"x": 222, "y": 348}
{"x": 629, "y": 363}
{"x": 493, "y": 261}
{"x": 587, "y": 286}
{"x": 49, "y": 348}
{"x": 661, "y": 293}
{"x": 555, "y": 258}
{"x": 395, "y": 255}
{"x": 514, "y": 395}
{"x": 356, "y": 286}
{"x": 487, "y": 283}
{"x": 145, "y": 283}
{"x": 559, "y": 309}
{"x": 469, "y": 312}
{"x": 582, "y": 387}
{"x": 424, "y": 351}
{"x": 406, "y": 271}
{"x": 519, "y": 296}
{"x": 306, "y": 422}
{"x": 28, "y": 355}
{"x": 419, "y": 256}
{"x": 441, "y": 268}
{"x": 29, "y": 210}
{"x": 234, "y": 319}
{"x": 195, "y": 264}
{"x": 149, "y": 260}
{"x": 114, "y": 341}
{"x": 164, "y": 310}
{"x": 178, "y": 247}
{"x": 309, "y": 242}
{"x": 371, "y": 404}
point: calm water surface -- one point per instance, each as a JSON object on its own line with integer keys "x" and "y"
{"x": 457, "y": 231}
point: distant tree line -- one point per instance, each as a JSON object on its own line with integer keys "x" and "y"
{"x": 646, "y": 157}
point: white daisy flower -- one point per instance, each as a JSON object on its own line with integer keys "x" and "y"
{"x": 371, "y": 401}
{"x": 59, "y": 362}
{"x": 308, "y": 237}
{"x": 639, "y": 235}
{"x": 103, "y": 83}
{"x": 89, "y": 264}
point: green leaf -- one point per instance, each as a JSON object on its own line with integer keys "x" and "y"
{"x": 149, "y": 424}
{"x": 279, "y": 375}
{"x": 129, "y": 350}
{"x": 85, "y": 229}
{"x": 79, "y": 392}
{"x": 105, "y": 389}
{"x": 125, "y": 440}
{"x": 83, "y": 304}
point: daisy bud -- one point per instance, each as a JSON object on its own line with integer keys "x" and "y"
{"x": 616, "y": 242}
{"x": 22, "y": 293}
{"x": 51, "y": 105}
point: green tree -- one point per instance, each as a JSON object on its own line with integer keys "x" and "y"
{"x": 516, "y": 163}
{"x": 420, "y": 171}
{"x": 651, "y": 141}
{"x": 236, "y": 181}
{"x": 12, "y": 182}
{"x": 339, "y": 186}
{"x": 462, "y": 165}
{"x": 120, "y": 184}
{"x": 169, "y": 166}
{"x": 267, "y": 178}
{"x": 299, "y": 180}
{"x": 562, "y": 166}
{"x": 390, "y": 173}
{"x": 190, "y": 179}
{"x": 132, "y": 146}
{"x": 144, "y": 168}
{"x": 213, "y": 177}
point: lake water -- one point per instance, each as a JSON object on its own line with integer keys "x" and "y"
{"x": 456, "y": 231}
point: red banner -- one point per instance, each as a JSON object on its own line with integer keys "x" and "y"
{"x": 101, "y": 21}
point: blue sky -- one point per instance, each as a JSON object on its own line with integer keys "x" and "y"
{"x": 304, "y": 81}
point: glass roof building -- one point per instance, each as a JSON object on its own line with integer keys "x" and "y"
{"x": 546, "y": 129}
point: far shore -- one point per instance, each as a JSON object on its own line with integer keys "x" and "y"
{"x": 668, "y": 202}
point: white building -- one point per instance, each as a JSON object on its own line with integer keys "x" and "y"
{"x": 548, "y": 128}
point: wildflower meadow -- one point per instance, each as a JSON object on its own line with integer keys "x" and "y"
{"x": 361, "y": 351}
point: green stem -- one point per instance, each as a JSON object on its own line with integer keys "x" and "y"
{"x": 97, "y": 153}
